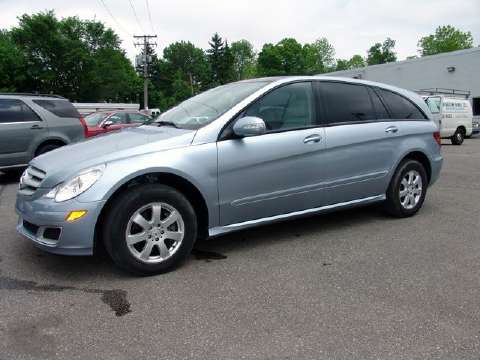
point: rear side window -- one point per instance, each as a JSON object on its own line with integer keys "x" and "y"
{"x": 399, "y": 107}
{"x": 60, "y": 108}
{"x": 13, "y": 110}
{"x": 347, "y": 103}
{"x": 378, "y": 105}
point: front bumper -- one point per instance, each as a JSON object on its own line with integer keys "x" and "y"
{"x": 38, "y": 217}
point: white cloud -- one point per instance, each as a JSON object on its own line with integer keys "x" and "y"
{"x": 352, "y": 26}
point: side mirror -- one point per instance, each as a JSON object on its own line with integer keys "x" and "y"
{"x": 249, "y": 126}
{"x": 107, "y": 123}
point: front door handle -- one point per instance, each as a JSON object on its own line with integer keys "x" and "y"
{"x": 391, "y": 130}
{"x": 314, "y": 138}
{"x": 36, "y": 127}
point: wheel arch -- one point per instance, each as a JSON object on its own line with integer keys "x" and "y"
{"x": 48, "y": 141}
{"x": 422, "y": 158}
{"x": 176, "y": 181}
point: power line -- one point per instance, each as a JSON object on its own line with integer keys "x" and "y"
{"x": 136, "y": 17}
{"x": 113, "y": 18}
{"x": 150, "y": 17}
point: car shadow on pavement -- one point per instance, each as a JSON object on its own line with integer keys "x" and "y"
{"x": 10, "y": 177}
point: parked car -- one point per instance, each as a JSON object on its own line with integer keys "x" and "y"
{"x": 240, "y": 155}
{"x": 31, "y": 125}
{"x": 454, "y": 116}
{"x": 105, "y": 121}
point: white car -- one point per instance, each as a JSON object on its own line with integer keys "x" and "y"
{"x": 453, "y": 115}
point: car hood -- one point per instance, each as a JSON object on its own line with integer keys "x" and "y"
{"x": 67, "y": 161}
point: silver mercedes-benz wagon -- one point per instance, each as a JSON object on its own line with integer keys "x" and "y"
{"x": 240, "y": 155}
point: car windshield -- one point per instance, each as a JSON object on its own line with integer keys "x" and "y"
{"x": 95, "y": 118}
{"x": 204, "y": 108}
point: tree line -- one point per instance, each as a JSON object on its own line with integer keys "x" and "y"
{"x": 83, "y": 61}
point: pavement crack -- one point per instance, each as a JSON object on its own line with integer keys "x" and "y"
{"x": 116, "y": 299}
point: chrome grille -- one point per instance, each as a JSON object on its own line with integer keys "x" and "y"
{"x": 31, "y": 180}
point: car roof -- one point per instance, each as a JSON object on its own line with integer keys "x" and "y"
{"x": 33, "y": 96}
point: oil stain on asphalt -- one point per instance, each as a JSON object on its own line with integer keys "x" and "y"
{"x": 208, "y": 256}
{"x": 116, "y": 299}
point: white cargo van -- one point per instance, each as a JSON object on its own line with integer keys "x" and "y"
{"x": 453, "y": 115}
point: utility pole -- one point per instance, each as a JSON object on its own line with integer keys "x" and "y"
{"x": 144, "y": 61}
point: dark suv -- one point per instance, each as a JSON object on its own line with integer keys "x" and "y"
{"x": 31, "y": 125}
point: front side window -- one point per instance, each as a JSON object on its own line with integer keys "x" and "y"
{"x": 12, "y": 110}
{"x": 118, "y": 118}
{"x": 137, "y": 118}
{"x": 288, "y": 107}
{"x": 433, "y": 104}
{"x": 346, "y": 103}
{"x": 95, "y": 118}
{"x": 399, "y": 107}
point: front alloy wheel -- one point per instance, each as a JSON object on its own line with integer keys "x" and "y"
{"x": 149, "y": 229}
{"x": 155, "y": 232}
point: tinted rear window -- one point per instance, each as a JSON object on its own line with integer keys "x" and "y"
{"x": 399, "y": 107}
{"x": 61, "y": 108}
{"x": 347, "y": 102}
{"x": 12, "y": 110}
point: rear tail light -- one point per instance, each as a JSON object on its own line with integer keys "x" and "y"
{"x": 85, "y": 128}
{"x": 438, "y": 139}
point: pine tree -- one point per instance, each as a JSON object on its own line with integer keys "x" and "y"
{"x": 215, "y": 57}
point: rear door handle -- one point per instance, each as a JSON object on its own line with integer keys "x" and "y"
{"x": 314, "y": 138}
{"x": 36, "y": 127}
{"x": 391, "y": 130}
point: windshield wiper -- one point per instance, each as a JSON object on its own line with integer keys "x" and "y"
{"x": 165, "y": 123}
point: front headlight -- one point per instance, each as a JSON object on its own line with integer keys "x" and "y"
{"x": 77, "y": 185}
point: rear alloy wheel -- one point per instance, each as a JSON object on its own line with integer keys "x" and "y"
{"x": 46, "y": 148}
{"x": 458, "y": 137}
{"x": 150, "y": 229}
{"x": 407, "y": 190}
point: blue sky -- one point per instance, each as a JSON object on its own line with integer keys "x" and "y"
{"x": 351, "y": 26}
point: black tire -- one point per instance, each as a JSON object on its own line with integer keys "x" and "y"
{"x": 458, "y": 137}
{"x": 393, "y": 204}
{"x": 46, "y": 148}
{"x": 119, "y": 214}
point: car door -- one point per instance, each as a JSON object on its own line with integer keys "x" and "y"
{"x": 19, "y": 127}
{"x": 360, "y": 141}
{"x": 279, "y": 172}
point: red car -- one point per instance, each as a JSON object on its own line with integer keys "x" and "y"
{"x": 105, "y": 121}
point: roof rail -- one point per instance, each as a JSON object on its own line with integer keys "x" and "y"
{"x": 32, "y": 94}
{"x": 443, "y": 91}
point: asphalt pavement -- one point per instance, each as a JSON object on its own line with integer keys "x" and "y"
{"x": 350, "y": 285}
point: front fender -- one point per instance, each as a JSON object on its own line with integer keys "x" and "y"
{"x": 196, "y": 164}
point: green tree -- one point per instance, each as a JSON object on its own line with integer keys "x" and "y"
{"x": 227, "y": 69}
{"x": 215, "y": 58}
{"x": 12, "y": 64}
{"x": 243, "y": 59}
{"x": 356, "y": 61}
{"x": 446, "y": 38}
{"x": 381, "y": 53}
{"x": 284, "y": 58}
{"x": 190, "y": 61}
{"x": 319, "y": 57}
{"x": 68, "y": 57}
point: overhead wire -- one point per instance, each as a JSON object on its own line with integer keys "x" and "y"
{"x": 114, "y": 19}
{"x": 136, "y": 16}
{"x": 150, "y": 17}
